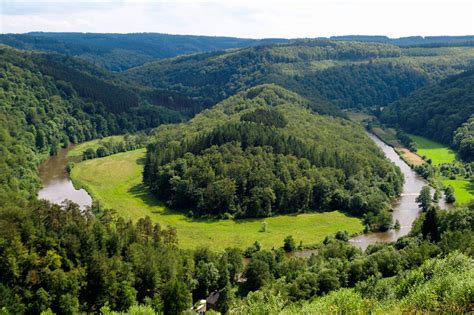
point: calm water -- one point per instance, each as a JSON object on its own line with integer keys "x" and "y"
{"x": 57, "y": 186}
{"x": 405, "y": 209}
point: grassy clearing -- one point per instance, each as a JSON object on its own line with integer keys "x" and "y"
{"x": 93, "y": 144}
{"x": 463, "y": 189}
{"x": 387, "y": 135}
{"x": 437, "y": 152}
{"x": 359, "y": 117}
{"x": 115, "y": 181}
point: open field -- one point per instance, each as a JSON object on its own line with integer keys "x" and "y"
{"x": 409, "y": 157}
{"x": 93, "y": 144}
{"x": 437, "y": 152}
{"x": 115, "y": 181}
{"x": 463, "y": 189}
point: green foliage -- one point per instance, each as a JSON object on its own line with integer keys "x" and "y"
{"x": 118, "y": 52}
{"x": 348, "y": 74}
{"x": 424, "y": 198}
{"x": 463, "y": 140}
{"x": 436, "y": 111}
{"x": 449, "y": 194}
{"x": 215, "y": 166}
{"x": 267, "y": 117}
{"x": 289, "y": 244}
{"x": 51, "y": 101}
{"x": 112, "y": 146}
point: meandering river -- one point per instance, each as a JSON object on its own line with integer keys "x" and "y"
{"x": 57, "y": 187}
{"x": 405, "y": 208}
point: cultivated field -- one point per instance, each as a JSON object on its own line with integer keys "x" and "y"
{"x": 115, "y": 181}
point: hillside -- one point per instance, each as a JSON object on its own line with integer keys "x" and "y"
{"x": 263, "y": 152}
{"x": 348, "y": 74}
{"x": 437, "y": 111}
{"x": 118, "y": 52}
{"x": 48, "y": 101}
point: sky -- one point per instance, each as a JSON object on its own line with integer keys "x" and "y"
{"x": 243, "y": 18}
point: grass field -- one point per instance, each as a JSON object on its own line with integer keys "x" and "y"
{"x": 463, "y": 189}
{"x": 437, "y": 152}
{"x": 93, "y": 144}
{"x": 115, "y": 181}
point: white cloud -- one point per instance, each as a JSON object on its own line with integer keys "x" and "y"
{"x": 245, "y": 18}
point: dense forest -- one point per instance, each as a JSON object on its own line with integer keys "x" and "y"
{"x": 66, "y": 261}
{"x": 118, "y": 52}
{"x": 348, "y": 74}
{"x": 224, "y": 163}
{"x": 48, "y": 102}
{"x": 438, "y": 112}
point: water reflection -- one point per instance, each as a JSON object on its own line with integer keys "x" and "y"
{"x": 57, "y": 186}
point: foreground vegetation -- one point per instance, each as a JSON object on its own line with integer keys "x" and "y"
{"x": 92, "y": 262}
{"x": 124, "y": 192}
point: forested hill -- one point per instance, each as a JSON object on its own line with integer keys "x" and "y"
{"x": 349, "y": 74}
{"x": 48, "y": 101}
{"x": 118, "y": 52}
{"x": 437, "y": 111}
{"x": 412, "y": 40}
{"x": 264, "y": 152}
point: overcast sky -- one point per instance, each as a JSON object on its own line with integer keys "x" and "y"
{"x": 244, "y": 18}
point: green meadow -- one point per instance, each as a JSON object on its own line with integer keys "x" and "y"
{"x": 463, "y": 189}
{"x": 437, "y": 152}
{"x": 115, "y": 181}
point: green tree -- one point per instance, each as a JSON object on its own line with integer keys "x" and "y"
{"x": 289, "y": 244}
{"x": 429, "y": 229}
{"x": 257, "y": 274}
{"x": 176, "y": 297}
{"x": 424, "y": 198}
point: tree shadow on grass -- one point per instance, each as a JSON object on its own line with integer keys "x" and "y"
{"x": 140, "y": 191}
{"x": 141, "y": 161}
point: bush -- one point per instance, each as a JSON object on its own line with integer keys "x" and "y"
{"x": 289, "y": 244}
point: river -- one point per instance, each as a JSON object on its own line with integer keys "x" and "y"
{"x": 405, "y": 208}
{"x": 57, "y": 187}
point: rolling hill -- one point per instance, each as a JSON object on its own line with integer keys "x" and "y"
{"x": 345, "y": 74}
{"x": 436, "y": 111}
{"x": 264, "y": 152}
{"x": 118, "y": 52}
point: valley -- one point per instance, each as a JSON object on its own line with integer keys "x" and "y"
{"x": 278, "y": 176}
